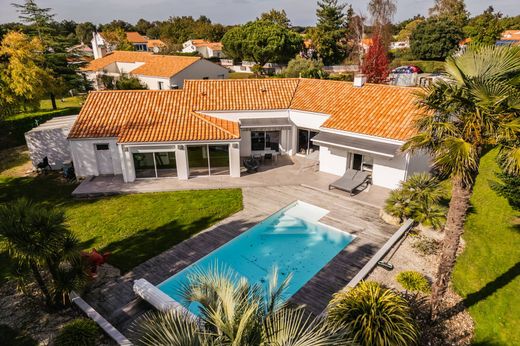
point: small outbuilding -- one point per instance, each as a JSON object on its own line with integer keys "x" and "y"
{"x": 50, "y": 139}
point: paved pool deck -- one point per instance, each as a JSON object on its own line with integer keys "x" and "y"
{"x": 119, "y": 305}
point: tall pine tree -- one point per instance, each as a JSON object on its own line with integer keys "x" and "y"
{"x": 330, "y": 32}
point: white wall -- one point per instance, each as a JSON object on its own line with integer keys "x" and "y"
{"x": 333, "y": 160}
{"x": 386, "y": 172}
{"x": 199, "y": 70}
{"x": 84, "y": 156}
{"x": 234, "y": 159}
{"x": 126, "y": 67}
{"x": 237, "y": 115}
{"x": 245, "y": 145}
{"x": 389, "y": 173}
{"x": 153, "y": 82}
{"x": 312, "y": 121}
{"x": 52, "y": 143}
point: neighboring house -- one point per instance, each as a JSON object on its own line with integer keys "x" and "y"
{"x": 205, "y": 48}
{"x": 400, "y": 45}
{"x": 80, "y": 54}
{"x": 509, "y": 38}
{"x": 247, "y": 66}
{"x": 141, "y": 43}
{"x": 158, "y": 72}
{"x": 206, "y": 128}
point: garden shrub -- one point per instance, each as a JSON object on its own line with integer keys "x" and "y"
{"x": 374, "y": 314}
{"x": 419, "y": 199}
{"x": 414, "y": 281}
{"x": 80, "y": 332}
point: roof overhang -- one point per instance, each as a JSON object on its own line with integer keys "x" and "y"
{"x": 251, "y": 123}
{"x": 374, "y": 148}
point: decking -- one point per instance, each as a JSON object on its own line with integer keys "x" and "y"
{"x": 119, "y": 305}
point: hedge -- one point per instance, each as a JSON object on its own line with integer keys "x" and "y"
{"x": 425, "y": 65}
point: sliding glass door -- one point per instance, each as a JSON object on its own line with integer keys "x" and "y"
{"x": 305, "y": 144}
{"x": 265, "y": 140}
{"x": 155, "y": 164}
{"x": 206, "y": 160}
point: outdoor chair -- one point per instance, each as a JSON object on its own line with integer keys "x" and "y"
{"x": 351, "y": 180}
{"x": 43, "y": 166}
{"x": 251, "y": 165}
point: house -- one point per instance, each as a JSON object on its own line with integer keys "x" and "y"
{"x": 141, "y": 44}
{"x": 509, "y": 38}
{"x": 209, "y": 126}
{"x": 158, "y": 72}
{"x": 205, "y": 48}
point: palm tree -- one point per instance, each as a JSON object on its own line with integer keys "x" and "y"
{"x": 477, "y": 106}
{"x": 234, "y": 312}
{"x": 36, "y": 237}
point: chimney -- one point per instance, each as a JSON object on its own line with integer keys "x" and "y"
{"x": 360, "y": 80}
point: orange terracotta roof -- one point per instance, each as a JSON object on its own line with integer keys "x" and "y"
{"x": 155, "y": 43}
{"x": 237, "y": 94}
{"x": 152, "y": 64}
{"x": 174, "y": 115}
{"x": 204, "y": 43}
{"x": 374, "y": 109}
{"x": 135, "y": 37}
{"x": 513, "y": 35}
{"x": 147, "y": 116}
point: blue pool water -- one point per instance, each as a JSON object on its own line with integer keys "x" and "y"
{"x": 292, "y": 240}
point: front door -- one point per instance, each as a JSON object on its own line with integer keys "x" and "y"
{"x": 104, "y": 159}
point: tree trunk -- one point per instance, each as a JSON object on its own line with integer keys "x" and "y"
{"x": 459, "y": 204}
{"x": 53, "y": 101}
{"x": 41, "y": 283}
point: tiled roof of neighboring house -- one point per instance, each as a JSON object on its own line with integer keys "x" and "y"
{"x": 374, "y": 109}
{"x": 154, "y": 65}
{"x": 155, "y": 116}
{"x": 146, "y": 116}
{"x": 204, "y": 43}
{"x": 135, "y": 37}
{"x": 510, "y": 35}
{"x": 155, "y": 43}
{"x": 252, "y": 94}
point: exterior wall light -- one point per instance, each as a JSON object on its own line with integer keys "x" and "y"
{"x": 180, "y": 147}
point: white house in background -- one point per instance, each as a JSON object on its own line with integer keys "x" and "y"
{"x": 158, "y": 72}
{"x": 205, "y": 129}
{"x": 205, "y": 48}
{"x": 141, "y": 43}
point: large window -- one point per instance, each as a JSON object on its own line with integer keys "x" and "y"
{"x": 208, "y": 160}
{"x": 155, "y": 165}
{"x": 265, "y": 140}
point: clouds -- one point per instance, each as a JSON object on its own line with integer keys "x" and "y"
{"x": 301, "y": 12}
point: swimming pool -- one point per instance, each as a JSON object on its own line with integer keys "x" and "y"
{"x": 292, "y": 239}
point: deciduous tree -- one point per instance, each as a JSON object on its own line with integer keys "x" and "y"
{"x": 22, "y": 78}
{"x": 117, "y": 38}
{"x": 276, "y": 16}
{"x": 485, "y": 28}
{"x": 375, "y": 62}
{"x": 84, "y": 32}
{"x": 455, "y": 10}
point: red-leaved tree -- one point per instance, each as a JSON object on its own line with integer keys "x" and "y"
{"x": 375, "y": 62}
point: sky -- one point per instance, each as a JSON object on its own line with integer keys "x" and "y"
{"x": 300, "y": 12}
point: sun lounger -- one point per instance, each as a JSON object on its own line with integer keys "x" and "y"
{"x": 351, "y": 180}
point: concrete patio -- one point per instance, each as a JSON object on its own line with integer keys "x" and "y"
{"x": 286, "y": 171}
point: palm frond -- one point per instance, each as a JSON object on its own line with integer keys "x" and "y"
{"x": 456, "y": 157}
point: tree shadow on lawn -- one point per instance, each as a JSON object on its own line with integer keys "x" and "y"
{"x": 47, "y": 188}
{"x": 489, "y": 289}
{"x": 147, "y": 243}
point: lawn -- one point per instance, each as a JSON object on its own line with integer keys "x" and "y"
{"x": 487, "y": 273}
{"x": 66, "y": 102}
{"x": 133, "y": 227}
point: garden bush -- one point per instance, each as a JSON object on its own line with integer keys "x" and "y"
{"x": 419, "y": 199}
{"x": 374, "y": 314}
{"x": 80, "y": 332}
{"x": 414, "y": 281}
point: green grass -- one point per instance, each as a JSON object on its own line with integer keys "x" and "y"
{"x": 240, "y": 75}
{"x": 487, "y": 273}
{"x": 68, "y": 102}
{"x": 133, "y": 227}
